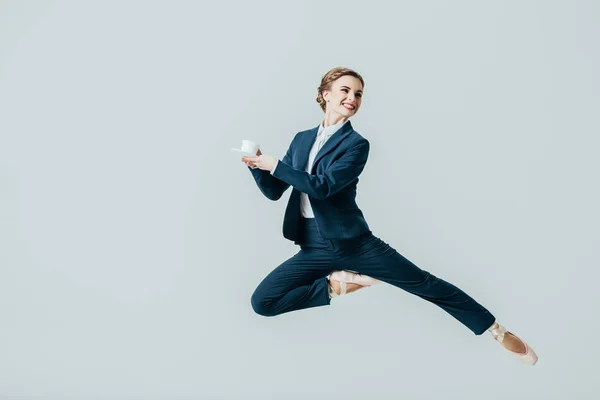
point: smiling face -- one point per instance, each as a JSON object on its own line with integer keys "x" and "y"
{"x": 345, "y": 96}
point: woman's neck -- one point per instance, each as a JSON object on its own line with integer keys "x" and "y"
{"x": 332, "y": 119}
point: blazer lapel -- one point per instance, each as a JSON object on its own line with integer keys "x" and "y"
{"x": 306, "y": 145}
{"x": 330, "y": 144}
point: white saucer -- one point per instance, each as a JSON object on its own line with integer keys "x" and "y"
{"x": 242, "y": 152}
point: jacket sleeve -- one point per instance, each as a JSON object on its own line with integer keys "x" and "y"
{"x": 339, "y": 175}
{"x": 268, "y": 184}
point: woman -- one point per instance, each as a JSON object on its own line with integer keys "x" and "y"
{"x": 338, "y": 252}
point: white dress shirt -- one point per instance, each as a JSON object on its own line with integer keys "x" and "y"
{"x": 323, "y": 135}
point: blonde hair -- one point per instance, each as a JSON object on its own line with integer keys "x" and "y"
{"x": 331, "y": 76}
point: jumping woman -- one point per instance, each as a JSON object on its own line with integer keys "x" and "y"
{"x": 338, "y": 252}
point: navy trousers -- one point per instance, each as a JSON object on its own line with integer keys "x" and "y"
{"x": 300, "y": 282}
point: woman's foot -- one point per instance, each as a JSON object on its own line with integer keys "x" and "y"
{"x": 350, "y": 287}
{"x": 343, "y": 282}
{"x": 513, "y": 344}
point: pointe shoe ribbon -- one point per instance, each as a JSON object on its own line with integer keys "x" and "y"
{"x": 351, "y": 277}
{"x": 498, "y": 333}
{"x": 528, "y": 357}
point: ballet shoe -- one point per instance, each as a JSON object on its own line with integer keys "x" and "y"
{"x": 344, "y": 277}
{"x": 528, "y": 356}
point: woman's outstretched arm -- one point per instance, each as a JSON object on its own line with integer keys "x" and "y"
{"x": 321, "y": 186}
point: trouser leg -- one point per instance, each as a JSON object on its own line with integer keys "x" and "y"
{"x": 371, "y": 256}
{"x": 297, "y": 283}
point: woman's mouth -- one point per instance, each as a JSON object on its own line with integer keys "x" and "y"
{"x": 347, "y": 107}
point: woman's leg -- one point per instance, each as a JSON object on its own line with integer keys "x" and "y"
{"x": 371, "y": 256}
{"x": 297, "y": 283}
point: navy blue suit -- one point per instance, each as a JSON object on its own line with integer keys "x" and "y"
{"x": 338, "y": 238}
{"x": 331, "y": 186}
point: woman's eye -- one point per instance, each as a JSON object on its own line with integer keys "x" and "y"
{"x": 357, "y": 95}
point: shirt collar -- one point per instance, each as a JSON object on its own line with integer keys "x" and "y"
{"x": 331, "y": 129}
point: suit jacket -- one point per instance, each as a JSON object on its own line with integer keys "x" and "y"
{"x": 330, "y": 186}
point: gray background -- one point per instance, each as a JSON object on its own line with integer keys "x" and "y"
{"x": 131, "y": 239}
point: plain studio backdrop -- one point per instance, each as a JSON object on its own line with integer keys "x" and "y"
{"x": 131, "y": 238}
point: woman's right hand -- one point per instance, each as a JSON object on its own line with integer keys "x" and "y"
{"x": 249, "y": 163}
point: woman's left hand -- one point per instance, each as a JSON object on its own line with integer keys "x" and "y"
{"x": 264, "y": 161}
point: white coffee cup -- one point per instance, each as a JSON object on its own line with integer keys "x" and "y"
{"x": 249, "y": 146}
